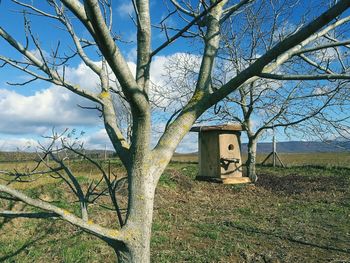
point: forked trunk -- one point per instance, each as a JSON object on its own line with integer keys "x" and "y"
{"x": 251, "y": 161}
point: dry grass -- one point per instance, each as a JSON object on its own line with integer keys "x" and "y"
{"x": 341, "y": 159}
{"x": 297, "y": 214}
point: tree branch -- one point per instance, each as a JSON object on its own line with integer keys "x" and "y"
{"x": 143, "y": 44}
{"x": 329, "y": 45}
{"x": 304, "y": 77}
{"x": 184, "y": 29}
{"x": 182, "y": 9}
{"x": 315, "y": 64}
{"x": 53, "y": 75}
{"x": 102, "y": 232}
{"x": 64, "y": 20}
{"x": 108, "y": 183}
{"x": 284, "y": 50}
{"x": 114, "y": 57}
{"x": 36, "y": 10}
{"x": 229, "y": 11}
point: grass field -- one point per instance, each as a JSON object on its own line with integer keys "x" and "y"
{"x": 293, "y": 214}
{"x": 341, "y": 159}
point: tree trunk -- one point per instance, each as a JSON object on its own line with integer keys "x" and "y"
{"x": 136, "y": 248}
{"x": 251, "y": 161}
{"x": 132, "y": 252}
{"x": 122, "y": 252}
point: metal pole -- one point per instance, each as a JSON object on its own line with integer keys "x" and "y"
{"x": 274, "y": 147}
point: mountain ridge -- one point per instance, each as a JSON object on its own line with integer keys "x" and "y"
{"x": 302, "y": 146}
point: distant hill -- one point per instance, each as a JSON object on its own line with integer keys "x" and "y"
{"x": 302, "y": 147}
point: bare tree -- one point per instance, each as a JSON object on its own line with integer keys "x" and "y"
{"x": 331, "y": 125}
{"x": 306, "y": 86}
{"x": 289, "y": 107}
{"x": 312, "y": 81}
{"x": 144, "y": 165}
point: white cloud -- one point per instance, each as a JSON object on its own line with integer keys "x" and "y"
{"x": 125, "y": 9}
{"x": 325, "y": 55}
{"x": 189, "y": 143}
{"x": 38, "y": 55}
{"x": 57, "y": 107}
{"x": 91, "y": 141}
{"x": 53, "y": 107}
{"x": 285, "y": 29}
{"x": 97, "y": 140}
{"x": 83, "y": 76}
{"x": 321, "y": 90}
{"x": 17, "y": 144}
{"x": 132, "y": 55}
{"x": 94, "y": 141}
{"x": 172, "y": 88}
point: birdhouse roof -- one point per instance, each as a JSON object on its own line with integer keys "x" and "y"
{"x": 225, "y": 127}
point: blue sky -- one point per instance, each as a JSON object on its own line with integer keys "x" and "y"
{"x": 31, "y": 111}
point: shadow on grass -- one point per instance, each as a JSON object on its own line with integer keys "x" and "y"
{"x": 249, "y": 229}
{"x": 297, "y": 184}
{"x": 5, "y": 220}
{"x": 34, "y": 240}
{"x": 23, "y": 247}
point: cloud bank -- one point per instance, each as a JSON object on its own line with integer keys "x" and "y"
{"x": 24, "y": 117}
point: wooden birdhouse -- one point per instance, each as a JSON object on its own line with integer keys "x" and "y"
{"x": 220, "y": 157}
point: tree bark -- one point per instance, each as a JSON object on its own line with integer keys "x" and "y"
{"x": 122, "y": 252}
{"x": 141, "y": 188}
{"x": 136, "y": 245}
{"x": 140, "y": 217}
{"x": 251, "y": 161}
